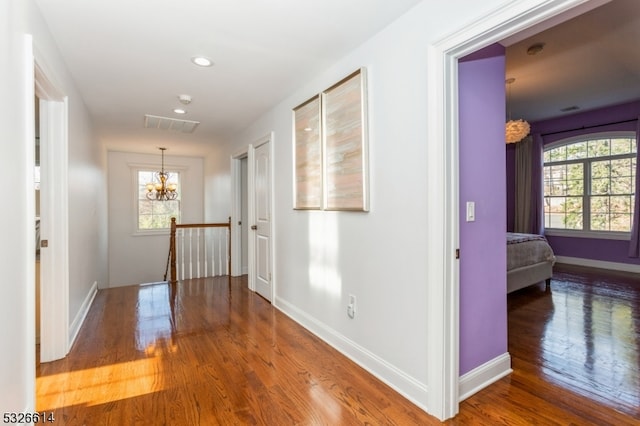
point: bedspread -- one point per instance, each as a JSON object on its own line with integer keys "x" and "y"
{"x": 527, "y": 249}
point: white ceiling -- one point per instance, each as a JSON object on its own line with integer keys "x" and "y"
{"x": 133, "y": 58}
{"x": 130, "y": 61}
{"x": 590, "y": 61}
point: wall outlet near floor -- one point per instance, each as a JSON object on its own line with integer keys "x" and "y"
{"x": 351, "y": 307}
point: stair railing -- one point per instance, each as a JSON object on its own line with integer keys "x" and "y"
{"x": 199, "y": 250}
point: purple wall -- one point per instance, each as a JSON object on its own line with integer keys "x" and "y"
{"x": 585, "y": 248}
{"x": 483, "y": 309}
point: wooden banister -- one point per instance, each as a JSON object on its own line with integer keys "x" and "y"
{"x": 172, "y": 243}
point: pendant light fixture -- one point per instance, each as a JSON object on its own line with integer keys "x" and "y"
{"x": 515, "y": 130}
{"x": 162, "y": 190}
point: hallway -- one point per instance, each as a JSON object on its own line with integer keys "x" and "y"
{"x": 215, "y": 353}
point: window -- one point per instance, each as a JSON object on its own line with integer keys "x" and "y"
{"x": 156, "y": 214}
{"x": 589, "y": 184}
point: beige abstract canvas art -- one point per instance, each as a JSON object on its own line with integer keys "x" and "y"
{"x": 308, "y": 155}
{"x": 345, "y": 143}
{"x": 330, "y": 148}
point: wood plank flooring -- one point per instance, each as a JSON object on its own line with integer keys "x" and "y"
{"x": 211, "y": 352}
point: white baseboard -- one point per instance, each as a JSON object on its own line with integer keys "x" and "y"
{"x": 484, "y": 375}
{"x": 407, "y": 386}
{"x": 74, "y": 329}
{"x": 614, "y": 266}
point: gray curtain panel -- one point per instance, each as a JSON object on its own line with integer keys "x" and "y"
{"x": 529, "y": 197}
{"x": 634, "y": 244}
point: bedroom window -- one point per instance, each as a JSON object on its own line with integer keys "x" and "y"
{"x": 589, "y": 184}
{"x": 155, "y": 215}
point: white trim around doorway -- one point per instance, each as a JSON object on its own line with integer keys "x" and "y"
{"x": 54, "y": 260}
{"x": 442, "y": 190}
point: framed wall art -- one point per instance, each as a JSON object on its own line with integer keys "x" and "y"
{"x": 307, "y": 155}
{"x": 344, "y": 125}
{"x": 331, "y": 148}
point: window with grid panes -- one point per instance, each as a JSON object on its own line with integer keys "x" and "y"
{"x": 589, "y": 184}
{"x": 153, "y": 214}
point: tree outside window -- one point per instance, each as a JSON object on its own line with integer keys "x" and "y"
{"x": 589, "y": 185}
{"x": 156, "y": 214}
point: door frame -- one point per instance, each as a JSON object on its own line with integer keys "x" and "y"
{"x": 54, "y": 260}
{"x": 236, "y": 211}
{"x": 442, "y": 160}
{"x": 236, "y": 184}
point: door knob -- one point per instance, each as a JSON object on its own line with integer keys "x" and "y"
{"x": 254, "y": 227}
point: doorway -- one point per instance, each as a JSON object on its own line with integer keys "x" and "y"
{"x": 252, "y": 242}
{"x": 54, "y": 226}
{"x": 240, "y": 214}
{"x": 37, "y": 204}
{"x": 261, "y": 225}
{"x": 443, "y": 189}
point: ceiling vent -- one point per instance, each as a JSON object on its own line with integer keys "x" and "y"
{"x": 167, "y": 123}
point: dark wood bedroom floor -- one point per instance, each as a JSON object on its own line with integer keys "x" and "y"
{"x": 579, "y": 341}
{"x": 215, "y": 353}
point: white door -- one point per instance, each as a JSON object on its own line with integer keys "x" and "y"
{"x": 262, "y": 225}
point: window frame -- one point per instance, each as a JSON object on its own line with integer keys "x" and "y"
{"x": 135, "y": 185}
{"x": 586, "y": 194}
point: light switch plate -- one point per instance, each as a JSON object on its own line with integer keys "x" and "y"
{"x": 471, "y": 211}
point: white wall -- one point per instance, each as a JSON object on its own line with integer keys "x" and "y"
{"x": 380, "y": 256}
{"x": 136, "y": 259}
{"x": 87, "y": 205}
{"x": 17, "y": 248}
{"x": 87, "y": 247}
{"x": 217, "y": 183}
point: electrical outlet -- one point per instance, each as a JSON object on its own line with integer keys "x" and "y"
{"x": 351, "y": 307}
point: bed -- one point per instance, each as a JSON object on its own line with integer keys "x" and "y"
{"x": 530, "y": 260}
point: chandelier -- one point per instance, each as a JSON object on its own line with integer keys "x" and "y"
{"x": 515, "y": 130}
{"x": 162, "y": 190}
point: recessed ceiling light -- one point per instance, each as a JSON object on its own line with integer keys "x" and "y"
{"x": 201, "y": 61}
{"x": 180, "y": 111}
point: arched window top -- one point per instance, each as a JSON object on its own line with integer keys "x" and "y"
{"x": 595, "y": 145}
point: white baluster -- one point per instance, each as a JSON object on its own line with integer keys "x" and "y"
{"x": 205, "y": 252}
{"x": 198, "y": 253}
{"x": 190, "y": 253}
{"x": 182, "y": 256}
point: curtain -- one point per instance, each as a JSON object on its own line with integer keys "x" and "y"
{"x": 529, "y": 196}
{"x": 634, "y": 244}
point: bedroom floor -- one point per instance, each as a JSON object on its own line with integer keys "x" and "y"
{"x": 581, "y": 337}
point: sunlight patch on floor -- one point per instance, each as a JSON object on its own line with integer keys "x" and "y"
{"x": 100, "y": 385}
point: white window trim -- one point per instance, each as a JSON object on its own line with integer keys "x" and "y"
{"x": 590, "y": 136}
{"x": 138, "y": 167}
{"x": 577, "y": 233}
{"x": 600, "y": 235}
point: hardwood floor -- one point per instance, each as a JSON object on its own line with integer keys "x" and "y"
{"x": 212, "y": 353}
{"x": 580, "y": 341}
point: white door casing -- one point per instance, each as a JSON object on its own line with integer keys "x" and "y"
{"x": 54, "y": 259}
{"x": 442, "y": 161}
{"x": 239, "y": 211}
